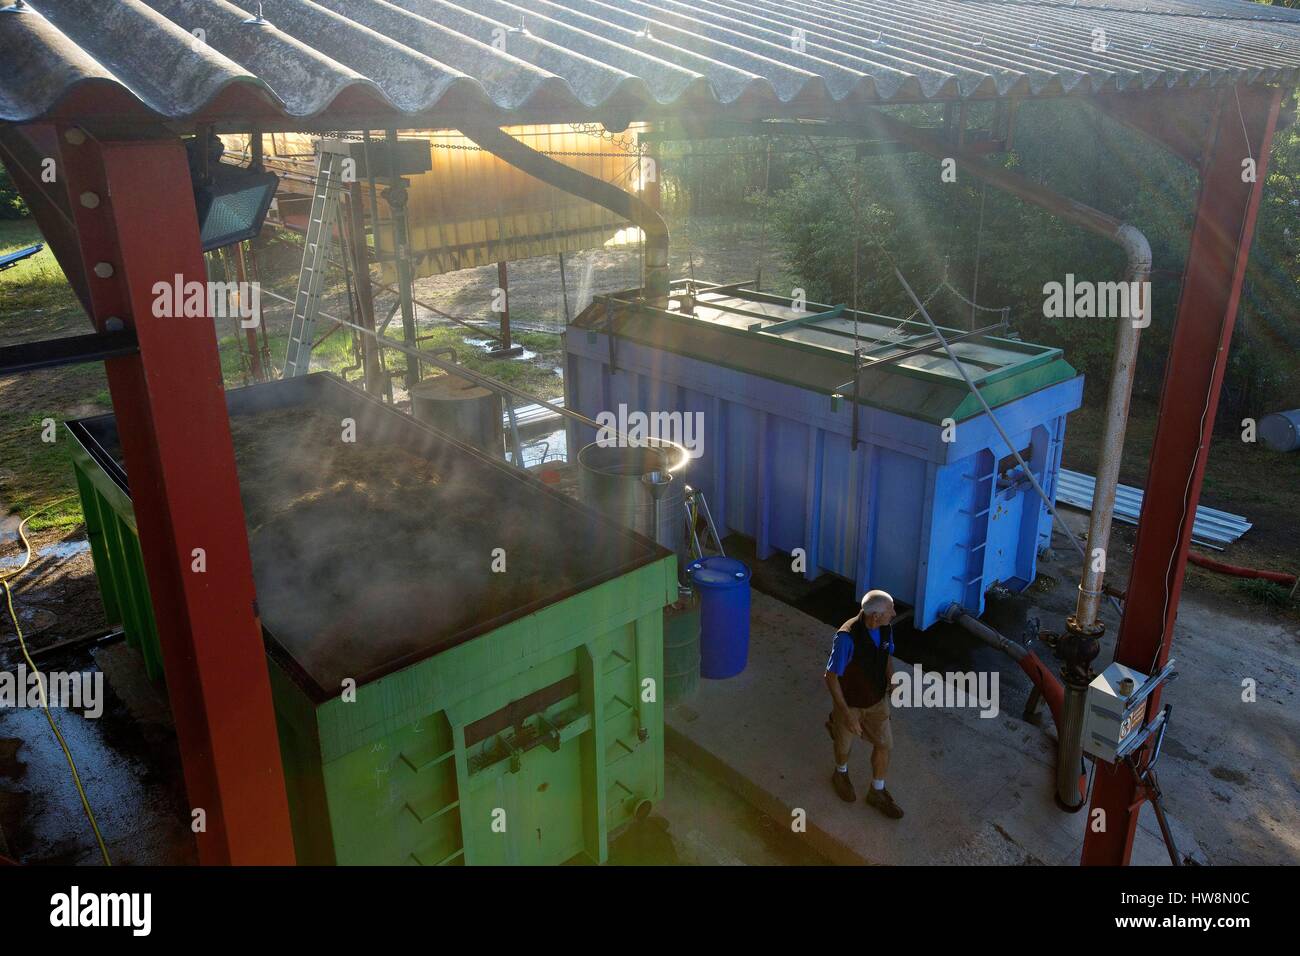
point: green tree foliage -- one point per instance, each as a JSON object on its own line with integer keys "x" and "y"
{"x": 935, "y": 228}
{"x": 11, "y": 203}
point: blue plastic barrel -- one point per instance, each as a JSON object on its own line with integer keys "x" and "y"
{"x": 723, "y": 584}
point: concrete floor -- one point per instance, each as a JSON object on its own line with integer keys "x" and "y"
{"x": 975, "y": 790}
{"x": 979, "y": 790}
{"x": 128, "y": 765}
{"x": 702, "y": 822}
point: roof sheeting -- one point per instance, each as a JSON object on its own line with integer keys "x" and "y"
{"x": 1210, "y": 528}
{"x": 555, "y": 60}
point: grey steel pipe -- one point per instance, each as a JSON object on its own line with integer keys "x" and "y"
{"x": 1069, "y": 752}
{"x": 956, "y": 614}
{"x": 1081, "y": 643}
{"x": 632, "y": 208}
{"x": 1091, "y": 582}
{"x": 396, "y": 197}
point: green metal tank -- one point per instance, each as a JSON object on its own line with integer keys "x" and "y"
{"x": 431, "y": 709}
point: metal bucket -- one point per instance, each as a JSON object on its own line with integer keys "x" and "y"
{"x": 642, "y": 487}
{"x": 682, "y": 647}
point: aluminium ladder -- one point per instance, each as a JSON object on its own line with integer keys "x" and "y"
{"x": 311, "y": 278}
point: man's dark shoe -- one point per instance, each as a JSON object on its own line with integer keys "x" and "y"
{"x": 883, "y": 801}
{"x": 844, "y": 787}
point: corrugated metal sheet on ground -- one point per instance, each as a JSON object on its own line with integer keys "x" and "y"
{"x": 556, "y": 60}
{"x": 1212, "y": 528}
{"x": 529, "y": 415}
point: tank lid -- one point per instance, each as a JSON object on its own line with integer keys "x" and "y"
{"x": 718, "y": 572}
{"x": 447, "y": 388}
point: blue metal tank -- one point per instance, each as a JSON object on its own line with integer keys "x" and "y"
{"x": 928, "y": 504}
{"x": 723, "y": 586}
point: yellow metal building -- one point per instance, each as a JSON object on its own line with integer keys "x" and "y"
{"x": 471, "y": 209}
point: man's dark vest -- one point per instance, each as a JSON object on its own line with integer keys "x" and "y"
{"x": 864, "y": 681}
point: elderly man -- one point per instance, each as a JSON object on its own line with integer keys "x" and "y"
{"x": 858, "y": 675}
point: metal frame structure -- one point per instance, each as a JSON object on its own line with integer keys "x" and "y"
{"x": 1241, "y": 127}
{"x": 168, "y": 398}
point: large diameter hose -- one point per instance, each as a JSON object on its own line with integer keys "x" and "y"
{"x": 1236, "y": 571}
{"x": 1044, "y": 680}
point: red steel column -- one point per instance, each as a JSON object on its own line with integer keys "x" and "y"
{"x": 1207, "y": 311}
{"x": 140, "y": 229}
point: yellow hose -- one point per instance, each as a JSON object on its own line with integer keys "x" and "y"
{"x": 40, "y": 683}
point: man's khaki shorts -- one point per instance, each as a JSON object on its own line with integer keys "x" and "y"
{"x": 875, "y": 727}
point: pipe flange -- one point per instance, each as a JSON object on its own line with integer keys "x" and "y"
{"x": 1096, "y": 630}
{"x": 1077, "y": 649}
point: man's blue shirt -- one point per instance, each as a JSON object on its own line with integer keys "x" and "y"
{"x": 842, "y": 650}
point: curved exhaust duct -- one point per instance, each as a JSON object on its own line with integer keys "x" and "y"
{"x": 631, "y": 207}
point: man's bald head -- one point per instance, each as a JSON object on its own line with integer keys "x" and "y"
{"x": 877, "y": 608}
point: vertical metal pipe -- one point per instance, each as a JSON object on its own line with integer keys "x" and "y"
{"x": 250, "y": 334}
{"x": 1127, "y": 339}
{"x": 564, "y": 291}
{"x": 1081, "y": 643}
{"x": 397, "y": 198}
{"x": 1069, "y": 757}
{"x": 503, "y": 282}
{"x": 360, "y": 252}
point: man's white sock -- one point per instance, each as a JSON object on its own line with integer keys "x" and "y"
{"x": 877, "y": 785}
{"x": 842, "y": 768}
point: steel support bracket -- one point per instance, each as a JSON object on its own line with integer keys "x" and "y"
{"x": 72, "y": 350}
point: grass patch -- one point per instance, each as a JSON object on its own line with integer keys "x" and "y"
{"x": 41, "y": 471}
{"x": 537, "y": 375}
{"x": 333, "y": 354}
{"x": 1240, "y": 477}
{"x": 1268, "y": 593}
{"x": 35, "y": 283}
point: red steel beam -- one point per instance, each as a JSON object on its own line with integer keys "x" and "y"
{"x": 137, "y": 226}
{"x": 1242, "y": 128}
{"x": 23, "y": 150}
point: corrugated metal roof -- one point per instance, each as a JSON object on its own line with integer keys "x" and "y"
{"x": 556, "y": 60}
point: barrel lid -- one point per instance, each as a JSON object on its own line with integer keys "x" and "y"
{"x": 718, "y": 572}
{"x": 1280, "y": 430}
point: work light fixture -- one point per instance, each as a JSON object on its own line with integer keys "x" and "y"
{"x": 231, "y": 201}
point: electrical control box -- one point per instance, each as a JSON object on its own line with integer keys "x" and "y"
{"x": 1116, "y": 710}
